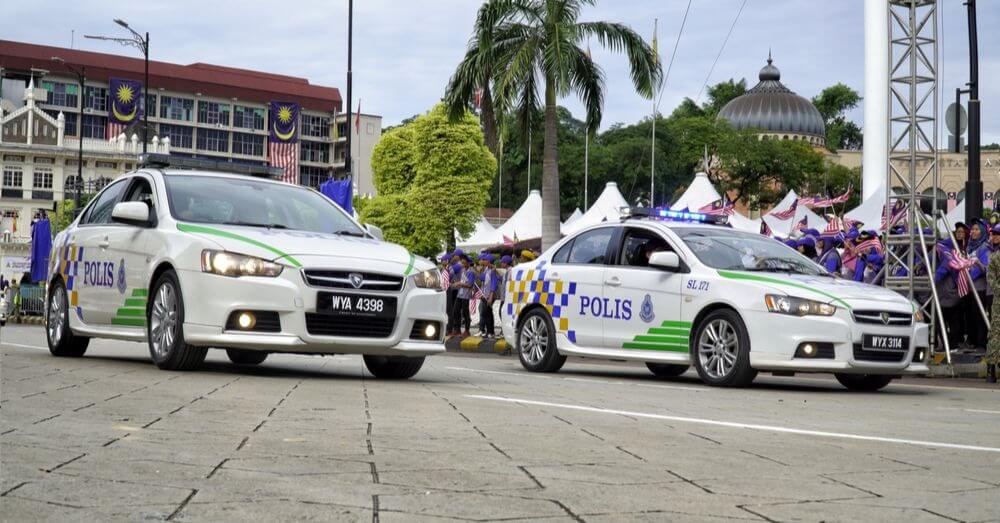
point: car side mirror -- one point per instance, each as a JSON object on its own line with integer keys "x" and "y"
{"x": 665, "y": 260}
{"x": 131, "y": 213}
{"x": 374, "y": 231}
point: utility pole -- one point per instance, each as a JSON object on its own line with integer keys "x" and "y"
{"x": 81, "y": 76}
{"x": 350, "y": 49}
{"x": 974, "y": 185}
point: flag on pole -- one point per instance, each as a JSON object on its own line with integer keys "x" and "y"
{"x": 764, "y": 228}
{"x": 446, "y": 278}
{"x": 508, "y": 241}
{"x": 956, "y": 262}
{"x": 891, "y": 216}
{"x": 357, "y": 119}
{"x": 123, "y": 105}
{"x": 803, "y": 224}
{"x": 474, "y": 302}
{"x": 283, "y": 139}
{"x": 787, "y": 213}
{"x": 834, "y": 227}
{"x": 722, "y": 206}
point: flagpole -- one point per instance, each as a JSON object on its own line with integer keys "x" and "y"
{"x": 500, "y": 183}
{"x": 529, "y": 158}
{"x": 652, "y": 152}
{"x": 350, "y": 50}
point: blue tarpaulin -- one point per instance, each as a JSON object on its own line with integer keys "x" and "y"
{"x": 341, "y": 192}
{"x": 41, "y": 245}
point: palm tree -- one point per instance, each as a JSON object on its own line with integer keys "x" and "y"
{"x": 533, "y": 44}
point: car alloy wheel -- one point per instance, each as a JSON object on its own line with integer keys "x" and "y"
{"x": 163, "y": 320}
{"x": 534, "y": 340}
{"x": 718, "y": 348}
{"x": 57, "y": 315}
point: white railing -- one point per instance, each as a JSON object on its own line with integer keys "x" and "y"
{"x": 119, "y": 145}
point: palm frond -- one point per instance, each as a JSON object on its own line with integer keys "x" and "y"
{"x": 644, "y": 66}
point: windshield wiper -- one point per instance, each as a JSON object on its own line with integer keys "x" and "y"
{"x": 346, "y": 232}
{"x": 263, "y": 225}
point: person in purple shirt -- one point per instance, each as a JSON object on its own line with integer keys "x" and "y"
{"x": 829, "y": 258}
{"x": 466, "y": 285}
{"x": 490, "y": 283}
{"x": 984, "y": 247}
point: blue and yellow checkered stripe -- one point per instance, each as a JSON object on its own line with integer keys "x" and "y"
{"x": 532, "y": 286}
{"x": 69, "y": 259}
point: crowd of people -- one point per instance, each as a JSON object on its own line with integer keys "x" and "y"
{"x": 474, "y": 285}
{"x": 967, "y": 267}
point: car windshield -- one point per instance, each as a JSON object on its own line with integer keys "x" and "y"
{"x": 738, "y": 251}
{"x": 255, "y": 203}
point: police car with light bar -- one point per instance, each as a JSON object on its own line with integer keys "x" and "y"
{"x": 185, "y": 255}
{"x": 677, "y": 289}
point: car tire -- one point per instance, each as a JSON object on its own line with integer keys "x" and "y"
{"x": 863, "y": 382}
{"x": 666, "y": 370}
{"x": 393, "y": 367}
{"x": 62, "y": 342}
{"x": 536, "y": 343}
{"x": 165, "y": 327}
{"x": 721, "y": 350}
{"x": 246, "y": 357}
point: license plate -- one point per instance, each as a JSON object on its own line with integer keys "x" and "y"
{"x": 878, "y": 342}
{"x": 356, "y": 305}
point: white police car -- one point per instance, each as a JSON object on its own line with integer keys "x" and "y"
{"x": 676, "y": 293}
{"x": 187, "y": 260}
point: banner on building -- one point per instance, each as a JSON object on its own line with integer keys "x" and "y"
{"x": 283, "y": 139}
{"x": 124, "y": 108}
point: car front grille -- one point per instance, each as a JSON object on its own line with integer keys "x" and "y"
{"x": 891, "y": 319}
{"x": 330, "y": 279}
{"x": 887, "y": 355}
{"x": 329, "y": 325}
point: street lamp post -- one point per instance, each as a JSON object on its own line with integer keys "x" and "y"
{"x": 142, "y": 43}
{"x": 81, "y": 76}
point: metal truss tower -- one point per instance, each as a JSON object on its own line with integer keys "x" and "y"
{"x": 913, "y": 150}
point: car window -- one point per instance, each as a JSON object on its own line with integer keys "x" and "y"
{"x": 140, "y": 191}
{"x": 562, "y": 255}
{"x": 638, "y": 245}
{"x": 591, "y": 247}
{"x": 100, "y": 212}
{"x": 727, "y": 249}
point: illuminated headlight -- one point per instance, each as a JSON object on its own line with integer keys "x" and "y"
{"x": 231, "y": 264}
{"x": 797, "y": 306}
{"x": 429, "y": 279}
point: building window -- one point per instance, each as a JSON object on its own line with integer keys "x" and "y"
{"x": 248, "y": 117}
{"x": 313, "y": 176}
{"x": 213, "y": 140}
{"x": 314, "y": 152}
{"x": 106, "y": 165}
{"x": 12, "y": 177}
{"x": 342, "y": 129}
{"x": 248, "y": 144}
{"x": 213, "y": 113}
{"x": 61, "y": 94}
{"x": 42, "y": 178}
{"x": 95, "y": 98}
{"x": 70, "y": 120}
{"x": 180, "y": 135}
{"x": 176, "y": 108}
{"x": 94, "y": 126}
{"x": 315, "y": 126}
{"x": 45, "y": 160}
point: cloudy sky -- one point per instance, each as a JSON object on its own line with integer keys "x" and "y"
{"x": 405, "y": 50}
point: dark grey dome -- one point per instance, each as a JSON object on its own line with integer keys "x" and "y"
{"x": 774, "y": 108}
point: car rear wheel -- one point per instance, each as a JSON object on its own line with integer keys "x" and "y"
{"x": 246, "y": 357}
{"x": 667, "y": 370}
{"x": 62, "y": 341}
{"x": 394, "y": 367}
{"x": 722, "y": 350}
{"x": 863, "y": 382}
{"x": 165, "y": 327}
{"x": 536, "y": 343}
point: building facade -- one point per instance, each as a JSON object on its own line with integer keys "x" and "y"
{"x": 196, "y": 110}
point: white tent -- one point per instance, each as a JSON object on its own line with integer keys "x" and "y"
{"x": 526, "y": 222}
{"x": 607, "y": 207}
{"x": 869, "y": 213}
{"x": 577, "y": 213}
{"x": 784, "y": 228}
{"x": 483, "y": 236}
{"x": 954, "y": 216}
{"x": 700, "y": 193}
{"x": 742, "y": 223}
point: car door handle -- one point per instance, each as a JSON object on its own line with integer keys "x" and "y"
{"x": 105, "y": 243}
{"x": 613, "y": 281}
{"x": 554, "y": 275}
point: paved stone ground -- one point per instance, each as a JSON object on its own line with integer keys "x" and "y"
{"x": 110, "y": 437}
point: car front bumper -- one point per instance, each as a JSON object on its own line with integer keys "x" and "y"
{"x": 774, "y": 339}
{"x": 210, "y": 299}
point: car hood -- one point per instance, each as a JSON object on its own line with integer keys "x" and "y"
{"x": 830, "y": 290}
{"x": 293, "y": 248}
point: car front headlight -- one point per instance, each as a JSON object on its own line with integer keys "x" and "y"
{"x": 429, "y": 279}
{"x": 797, "y": 306}
{"x": 235, "y": 265}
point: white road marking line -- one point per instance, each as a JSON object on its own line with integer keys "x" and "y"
{"x": 971, "y": 410}
{"x": 584, "y": 380}
{"x": 25, "y": 346}
{"x": 737, "y": 425}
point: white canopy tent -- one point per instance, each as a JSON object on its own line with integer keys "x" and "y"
{"x": 483, "y": 236}
{"x": 700, "y": 193}
{"x": 526, "y": 222}
{"x": 869, "y": 213}
{"x": 607, "y": 207}
{"x": 742, "y": 223}
{"x": 577, "y": 213}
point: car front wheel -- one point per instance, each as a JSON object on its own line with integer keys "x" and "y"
{"x": 536, "y": 343}
{"x": 722, "y": 350}
{"x": 863, "y": 382}
{"x": 165, "y": 327}
{"x": 62, "y": 341}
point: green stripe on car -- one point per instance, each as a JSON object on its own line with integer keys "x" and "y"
{"x": 409, "y": 266}
{"x": 126, "y": 311}
{"x": 131, "y": 322}
{"x": 671, "y": 336}
{"x": 140, "y": 293}
{"x": 775, "y": 281}
{"x": 655, "y": 346}
{"x": 198, "y": 229}
{"x": 135, "y": 302}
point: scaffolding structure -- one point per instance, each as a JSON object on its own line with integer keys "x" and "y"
{"x": 913, "y": 153}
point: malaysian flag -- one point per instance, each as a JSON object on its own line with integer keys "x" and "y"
{"x": 787, "y": 213}
{"x": 873, "y": 243}
{"x": 802, "y": 225}
{"x": 764, "y": 228}
{"x": 956, "y": 262}
{"x": 891, "y": 216}
{"x": 833, "y": 228}
{"x": 849, "y": 223}
{"x": 124, "y": 108}
{"x": 824, "y": 202}
{"x": 474, "y": 302}
{"x": 722, "y": 206}
{"x": 446, "y": 278}
{"x": 283, "y": 139}
{"x": 508, "y": 241}
{"x": 844, "y": 197}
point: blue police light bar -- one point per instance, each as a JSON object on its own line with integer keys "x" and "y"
{"x": 676, "y": 216}
{"x": 164, "y": 161}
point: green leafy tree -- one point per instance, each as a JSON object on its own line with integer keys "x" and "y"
{"x": 539, "y": 56}
{"x": 759, "y": 172}
{"x": 433, "y": 176}
{"x": 722, "y": 93}
{"x": 65, "y": 213}
{"x": 833, "y": 102}
{"x": 834, "y": 180}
